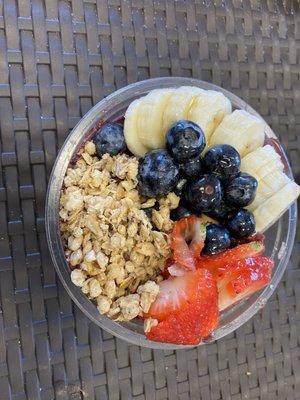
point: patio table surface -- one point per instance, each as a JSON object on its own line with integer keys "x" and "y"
{"x": 57, "y": 59}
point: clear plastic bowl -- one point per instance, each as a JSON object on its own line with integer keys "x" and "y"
{"x": 279, "y": 238}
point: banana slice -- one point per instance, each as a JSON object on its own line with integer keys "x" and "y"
{"x": 178, "y": 106}
{"x": 243, "y": 131}
{"x": 272, "y": 209}
{"x": 150, "y": 118}
{"x": 275, "y": 192}
{"x": 208, "y": 109}
{"x": 262, "y": 162}
{"x": 130, "y": 129}
{"x": 268, "y": 186}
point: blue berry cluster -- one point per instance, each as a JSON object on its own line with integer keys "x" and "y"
{"x": 209, "y": 184}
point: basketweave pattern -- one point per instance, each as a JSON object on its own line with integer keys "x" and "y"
{"x": 57, "y": 59}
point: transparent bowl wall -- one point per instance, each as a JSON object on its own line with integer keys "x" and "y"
{"x": 279, "y": 238}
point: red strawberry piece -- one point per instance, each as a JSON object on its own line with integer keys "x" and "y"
{"x": 173, "y": 269}
{"x": 186, "y": 308}
{"x": 174, "y": 293}
{"x": 187, "y": 241}
{"x": 166, "y": 272}
{"x": 213, "y": 262}
{"x": 239, "y": 280}
{"x": 176, "y": 270}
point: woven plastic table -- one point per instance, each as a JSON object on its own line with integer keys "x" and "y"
{"x": 57, "y": 59}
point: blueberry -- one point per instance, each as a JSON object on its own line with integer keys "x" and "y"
{"x": 204, "y": 194}
{"x": 185, "y": 140}
{"x": 223, "y": 211}
{"x": 180, "y": 187}
{"x": 217, "y": 239}
{"x": 192, "y": 168}
{"x": 223, "y": 160}
{"x": 157, "y": 174}
{"x": 110, "y": 139}
{"x": 242, "y": 224}
{"x": 179, "y": 212}
{"x": 241, "y": 190}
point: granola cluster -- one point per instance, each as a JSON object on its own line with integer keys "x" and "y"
{"x": 116, "y": 247}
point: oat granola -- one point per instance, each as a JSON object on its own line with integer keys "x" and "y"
{"x": 116, "y": 252}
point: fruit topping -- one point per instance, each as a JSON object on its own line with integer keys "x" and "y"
{"x": 229, "y": 256}
{"x": 242, "y": 224}
{"x": 275, "y": 192}
{"x": 223, "y": 160}
{"x": 150, "y": 116}
{"x": 274, "y": 142}
{"x": 179, "y": 189}
{"x": 175, "y": 270}
{"x": 178, "y": 105}
{"x": 157, "y": 174}
{"x": 241, "y": 190}
{"x": 208, "y": 109}
{"x": 187, "y": 241}
{"x": 204, "y": 194}
{"x": 270, "y": 210}
{"x": 242, "y": 130}
{"x": 179, "y": 212}
{"x": 110, "y": 139}
{"x": 268, "y": 185}
{"x": 223, "y": 211}
{"x": 186, "y": 308}
{"x": 242, "y": 278}
{"x": 262, "y": 162}
{"x": 131, "y": 131}
{"x": 217, "y": 239}
{"x": 191, "y": 169}
{"x": 185, "y": 140}
{"x": 173, "y": 294}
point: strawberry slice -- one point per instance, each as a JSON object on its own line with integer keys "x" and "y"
{"x": 239, "y": 280}
{"x": 176, "y": 270}
{"x": 213, "y": 262}
{"x": 186, "y": 308}
{"x": 165, "y": 273}
{"x": 174, "y": 293}
{"x": 187, "y": 241}
{"x": 173, "y": 269}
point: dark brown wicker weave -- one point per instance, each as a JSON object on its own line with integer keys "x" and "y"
{"x": 57, "y": 59}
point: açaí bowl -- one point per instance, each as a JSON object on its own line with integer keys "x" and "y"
{"x": 279, "y": 238}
